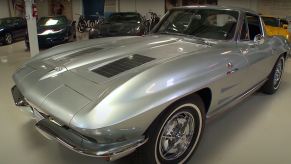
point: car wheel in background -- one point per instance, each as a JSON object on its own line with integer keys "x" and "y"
{"x": 8, "y": 38}
{"x": 274, "y": 81}
{"x": 174, "y": 135}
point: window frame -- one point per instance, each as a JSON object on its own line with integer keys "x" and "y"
{"x": 237, "y": 29}
{"x": 244, "y": 18}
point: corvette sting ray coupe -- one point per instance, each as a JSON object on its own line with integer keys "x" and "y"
{"x": 150, "y": 95}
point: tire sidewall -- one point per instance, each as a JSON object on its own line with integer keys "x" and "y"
{"x": 281, "y": 58}
{"x": 5, "y": 40}
{"x": 196, "y": 113}
{"x": 269, "y": 87}
{"x": 149, "y": 152}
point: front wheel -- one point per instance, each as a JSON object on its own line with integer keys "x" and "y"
{"x": 274, "y": 81}
{"x": 8, "y": 38}
{"x": 174, "y": 136}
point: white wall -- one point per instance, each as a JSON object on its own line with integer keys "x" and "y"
{"x": 249, "y": 4}
{"x": 277, "y": 8}
{"x": 4, "y": 9}
{"x": 143, "y": 6}
{"x": 42, "y": 8}
{"x": 77, "y": 8}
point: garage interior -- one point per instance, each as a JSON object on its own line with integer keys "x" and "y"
{"x": 255, "y": 131}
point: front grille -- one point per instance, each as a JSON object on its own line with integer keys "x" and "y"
{"x": 122, "y": 65}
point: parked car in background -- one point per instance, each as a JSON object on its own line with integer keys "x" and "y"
{"x": 111, "y": 96}
{"x": 12, "y": 29}
{"x": 277, "y": 26}
{"x": 120, "y": 24}
{"x": 54, "y": 30}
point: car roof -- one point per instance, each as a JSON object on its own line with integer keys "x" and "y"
{"x": 240, "y": 9}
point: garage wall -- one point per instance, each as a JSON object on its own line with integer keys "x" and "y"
{"x": 42, "y": 8}
{"x": 249, "y": 4}
{"x": 278, "y": 8}
{"x": 142, "y": 6}
{"x": 110, "y": 6}
{"x": 4, "y": 9}
{"x": 77, "y": 9}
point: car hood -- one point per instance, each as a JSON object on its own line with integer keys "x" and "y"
{"x": 61, "y": 81}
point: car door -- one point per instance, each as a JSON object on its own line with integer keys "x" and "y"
{"x": 233, "y": 85}
{"x": 14, "y": 27}
{"x": 19, "y": 27}
{"x": 255, "y": 46}
{"x": 10, "y": 26}
{"x": 22, "y": 27}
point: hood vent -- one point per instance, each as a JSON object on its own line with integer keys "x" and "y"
{"x": 122, "y": 65}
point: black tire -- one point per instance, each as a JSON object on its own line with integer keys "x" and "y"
{"x": 8, "y": 38}
{"x": 152, "y": 153}
{"x": 274, "y": 80}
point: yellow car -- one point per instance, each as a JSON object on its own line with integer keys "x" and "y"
{"x": 277, "y": 26}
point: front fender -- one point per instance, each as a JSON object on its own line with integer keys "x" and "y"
{"x": 131, "y": 108}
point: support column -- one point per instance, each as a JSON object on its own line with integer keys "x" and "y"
{"x": 31, "y": 28}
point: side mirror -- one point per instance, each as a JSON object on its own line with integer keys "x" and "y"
{"x": 259, "y": 39}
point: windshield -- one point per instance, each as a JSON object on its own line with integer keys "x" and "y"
{"x": 203, "y": 23}
{"x": 48, "y": 21}
{"x": 5, "y": 21}
{"x": 271, "y": 21}
{"x": 123, "y": 17}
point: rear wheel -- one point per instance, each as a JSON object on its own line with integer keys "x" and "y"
{"x": 274, "y": 81}
{"x": 8, "y": 38}
{"x": 174, "y": 136}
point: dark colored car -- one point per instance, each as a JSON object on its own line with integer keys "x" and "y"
{"x": 11, "y": 29}
{"x": 54, "y": 30}
{"x": 120, "y": 24}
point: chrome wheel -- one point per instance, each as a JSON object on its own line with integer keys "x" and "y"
{"x": 8, "y": 38}
{"x": 278, "y": 73}
{"x": 177, "y": 136}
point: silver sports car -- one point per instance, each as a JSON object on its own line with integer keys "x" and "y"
{"x": 113, "y": 96}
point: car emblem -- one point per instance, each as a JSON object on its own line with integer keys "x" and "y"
{"x": 58, "y": 69}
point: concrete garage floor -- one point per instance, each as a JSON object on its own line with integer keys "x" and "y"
{"x": 255, "y": 132}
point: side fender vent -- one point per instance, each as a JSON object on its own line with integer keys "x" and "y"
{"x": 122, "y": 65}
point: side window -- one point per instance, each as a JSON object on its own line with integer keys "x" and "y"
{"x": 254, "y": 25}
{"x": 244, "y": 35}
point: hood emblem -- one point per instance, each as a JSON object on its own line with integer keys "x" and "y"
{"x": 58, "y": 69}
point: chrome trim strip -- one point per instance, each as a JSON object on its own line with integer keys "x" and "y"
{"x": 110, "y": 153}
{"x": 235, "y": 100}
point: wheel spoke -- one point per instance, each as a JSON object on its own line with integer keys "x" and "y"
{"x": 177, "y": 136}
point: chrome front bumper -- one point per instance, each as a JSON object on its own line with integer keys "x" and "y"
{"x": 76, "y": 141}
